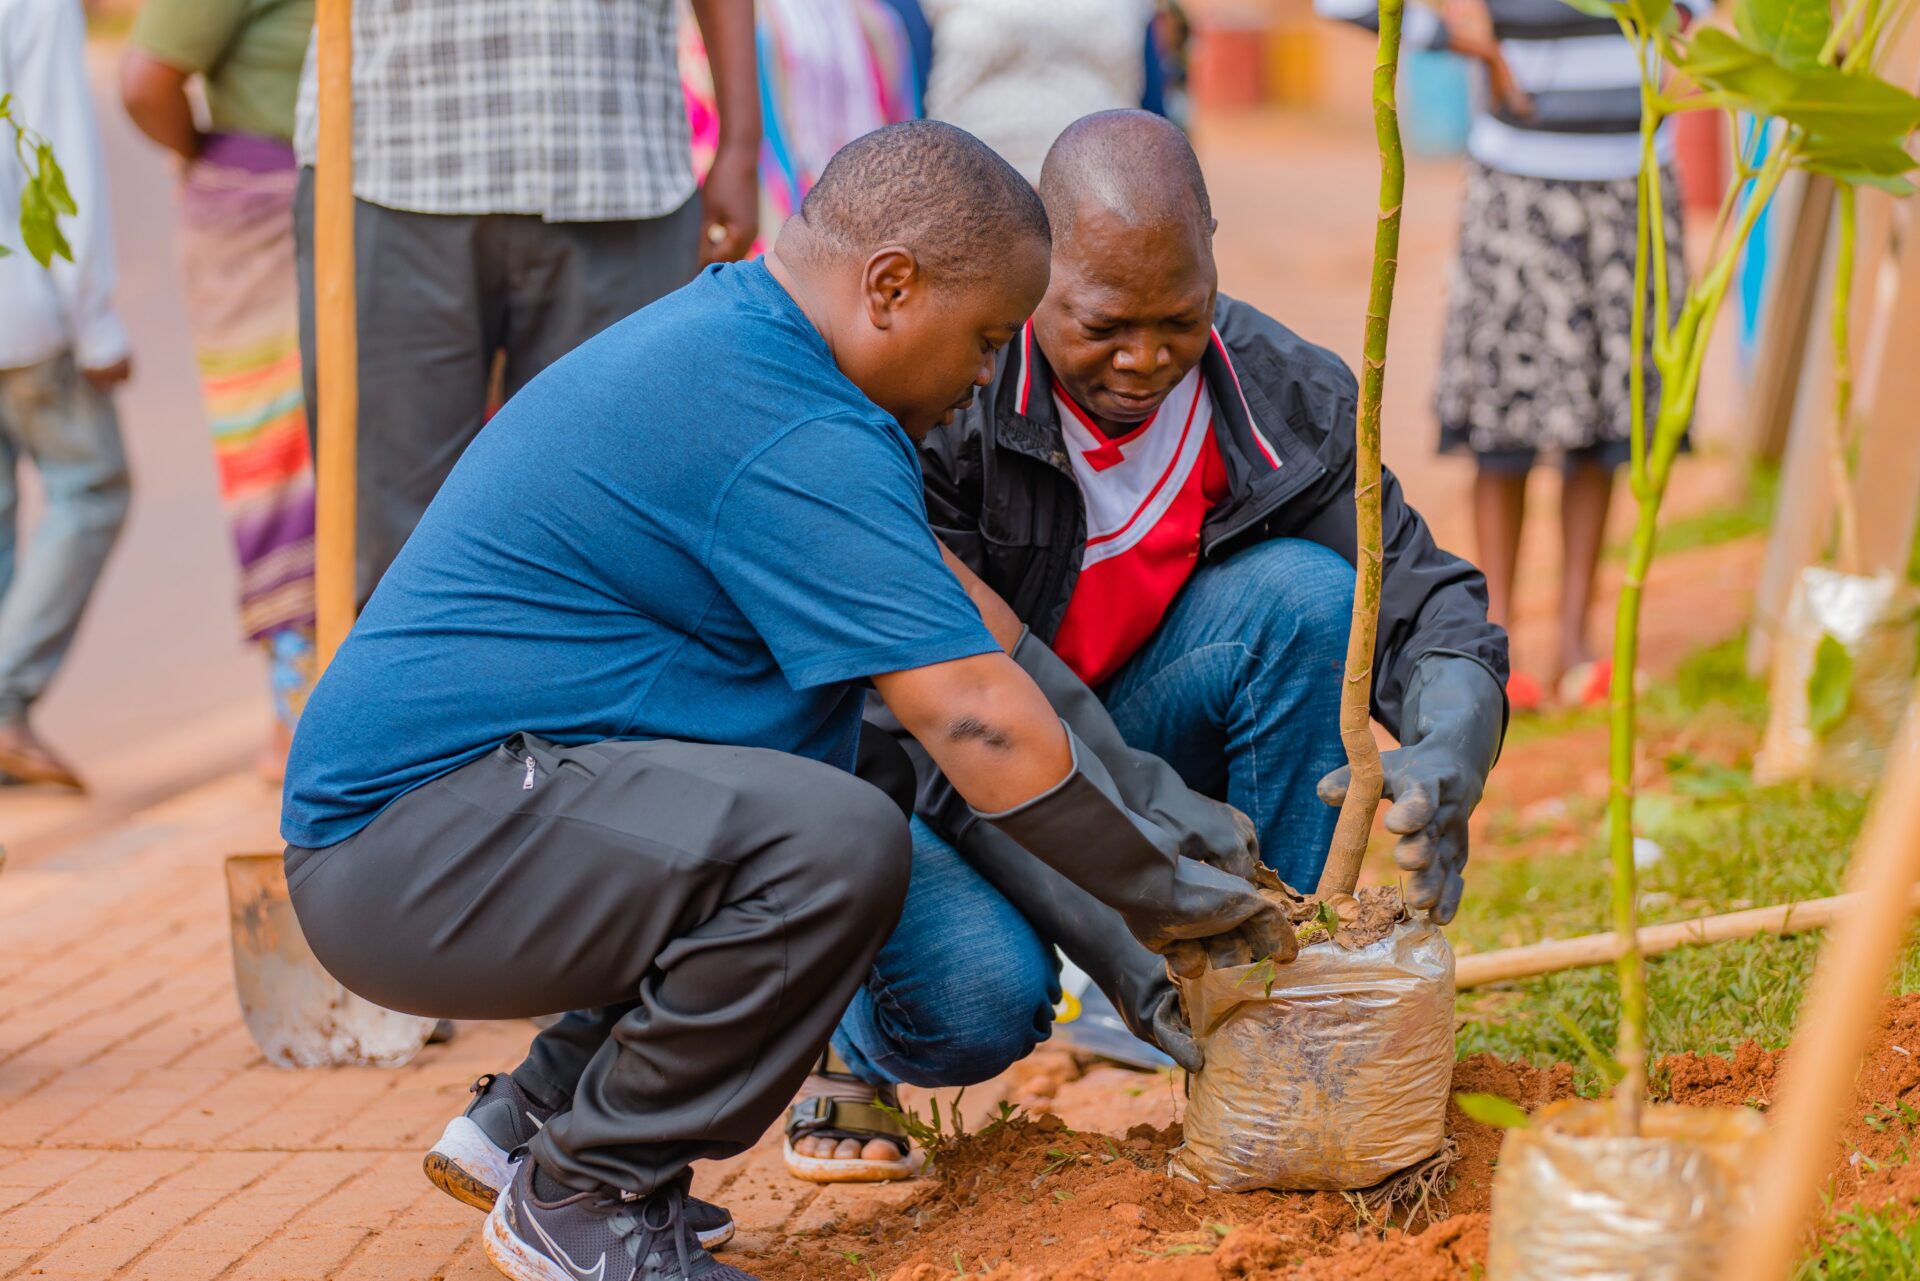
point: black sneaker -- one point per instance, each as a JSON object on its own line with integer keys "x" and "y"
{"x": 472, "y": 1160}
{"x": 469, "y": 1163}
{"x": 598, "y": 1236}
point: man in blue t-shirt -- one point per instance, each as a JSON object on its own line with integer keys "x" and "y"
{"x": 590, "y": 746}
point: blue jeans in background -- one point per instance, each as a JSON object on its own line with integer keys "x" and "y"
{"x": 51, "y": 415}
{"x": 1238, "y": 690}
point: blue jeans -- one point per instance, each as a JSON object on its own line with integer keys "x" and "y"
{"x": 1238, "y": 690}
{"x": 53, "y": 416}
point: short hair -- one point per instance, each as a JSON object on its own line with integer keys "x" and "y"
{"x": 936, "y": 190}
{"x": 1129, "y": 163}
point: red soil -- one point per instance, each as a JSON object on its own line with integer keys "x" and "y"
{"x": 1038, "y": 1199}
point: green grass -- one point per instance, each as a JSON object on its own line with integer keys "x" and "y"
{"x": 1726, "y": 845}
{"x": 1877, "y": 1245}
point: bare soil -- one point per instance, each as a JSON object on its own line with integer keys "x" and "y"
{"x": 1078, "y": 1192}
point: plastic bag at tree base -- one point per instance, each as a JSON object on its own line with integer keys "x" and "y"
{"x": 1572, "y": 1202}
{"x": 1873, "y": 621}
{"x": 1335, "y": 1080}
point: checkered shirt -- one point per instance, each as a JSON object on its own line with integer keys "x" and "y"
{"x": 568, "y": 109}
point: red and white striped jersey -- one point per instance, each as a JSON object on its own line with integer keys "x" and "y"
{"x": 1146, "y": 494}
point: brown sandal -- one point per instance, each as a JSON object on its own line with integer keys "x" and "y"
{"x": 842, "y": 1113}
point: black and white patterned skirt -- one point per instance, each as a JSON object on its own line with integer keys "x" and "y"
{"x": 1537, "y": 347}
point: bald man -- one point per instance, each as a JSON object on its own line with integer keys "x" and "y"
{"x": 1159, "y": 484}
{"x": 592, "y": 744}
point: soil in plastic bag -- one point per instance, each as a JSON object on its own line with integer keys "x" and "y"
{"x": 1872, "y": 621}
{"x": 1331, "y": 1071}
{"x": 1573, "y": 1202}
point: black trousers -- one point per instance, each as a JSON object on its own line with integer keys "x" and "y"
{"x": 706, "y": 911}
{"x": 436, "y": 295}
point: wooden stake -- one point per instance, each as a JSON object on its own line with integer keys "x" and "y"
{"x": 1355, "y": 824}
{"x": 1476, "y": 969}
{"x": 335, "y": 337}
{"x": 1839, "y": 1013}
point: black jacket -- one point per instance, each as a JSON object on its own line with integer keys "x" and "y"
{"x": 1001, "y": 493}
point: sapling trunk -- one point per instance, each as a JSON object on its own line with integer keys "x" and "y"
{"x": 1680, "y": 347}
{"x": 1356, "y": 695}
{"x": 1846, "y": 513}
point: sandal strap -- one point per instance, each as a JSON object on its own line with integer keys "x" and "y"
{"x": 829, "y": 1117}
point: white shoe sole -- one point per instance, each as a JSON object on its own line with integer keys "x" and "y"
{"x": 511, "y": 1255}
{"x": 826, "y": 1169}
{"x": 469, "y": 1167}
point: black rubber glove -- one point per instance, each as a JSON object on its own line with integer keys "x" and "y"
{"x": 1081, "y": 828}
{"x": 1200, "y": 826}
{"x": 1454, "y": 720}
{"x": 1093, "y": 935}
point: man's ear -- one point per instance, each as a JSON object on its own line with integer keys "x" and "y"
{"x": 892, "y": 278}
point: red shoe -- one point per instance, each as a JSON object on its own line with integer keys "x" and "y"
{"x": 1588, "y": 684}
{"x": 1524, "y": 693}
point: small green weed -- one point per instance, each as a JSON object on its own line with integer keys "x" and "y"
{"x": 934, "y": 1135}
{"x": 1875, "y": 1245}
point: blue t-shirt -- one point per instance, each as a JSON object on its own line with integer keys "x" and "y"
{"x": 692, "y": 527}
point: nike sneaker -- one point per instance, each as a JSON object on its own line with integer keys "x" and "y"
{"x": 597, "y": 1236}
{"x": 473, "y": 1159}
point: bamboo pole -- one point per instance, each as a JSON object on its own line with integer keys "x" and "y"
{"x": 1477, "y": 969}
{"x": 1364, "y": 781}
{"x": 1838, "y": 1015}
{"x": 335, "y": 337}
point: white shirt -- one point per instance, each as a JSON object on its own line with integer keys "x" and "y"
{"x": 1014, "y": 73}
{"x": 68, "y": 308}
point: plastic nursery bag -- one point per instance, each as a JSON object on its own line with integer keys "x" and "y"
{"x": 1842, "y": 672}
{"x": 1334, "y": 1080}
{"x": 1573, "y": 1202}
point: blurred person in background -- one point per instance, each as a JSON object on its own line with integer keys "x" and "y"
{"x": 1014, "y": 73}
{"x": 522, "y": 178}
{"x": 237, "y": 262}
{"x": 1535, "y": 353}
{"x": 62, "y": 351}
{"x": 829, "y": 71}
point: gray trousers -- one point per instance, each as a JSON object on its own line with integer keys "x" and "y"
{"x": 436, "y": 295}
{"x": 707, "y": 912}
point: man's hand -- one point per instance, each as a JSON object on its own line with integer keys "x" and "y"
{"x": 730, "y": 205}
{"x": 107, "y": 377}
{"x": 1171, "y": 1032}
{"x": 1470, "y": 34}
{"x": 1454, "y": 717}
{"x": 1433, "y": 795}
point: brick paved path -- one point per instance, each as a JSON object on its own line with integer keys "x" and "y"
{"x": 143, "y": 1137}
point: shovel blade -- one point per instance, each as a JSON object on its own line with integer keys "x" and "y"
{"x": 297, "y": 1013}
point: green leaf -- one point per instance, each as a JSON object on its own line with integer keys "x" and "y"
{"x": 1881, "y": 165}
{"x": 54, "y": 182}
{"x": 5, "y": 252}
{"x": 1651, "y": 14}
{"x": 1830, "y": 105}
{"x": 1491, "y": 1109}
{"x": 1604, "y": 1064}
{"x": 1791, "y": 31}
{"x": 1592, "y": 8}
{"x": 1830, "y": 687}
{"x": 39, "y": 228}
